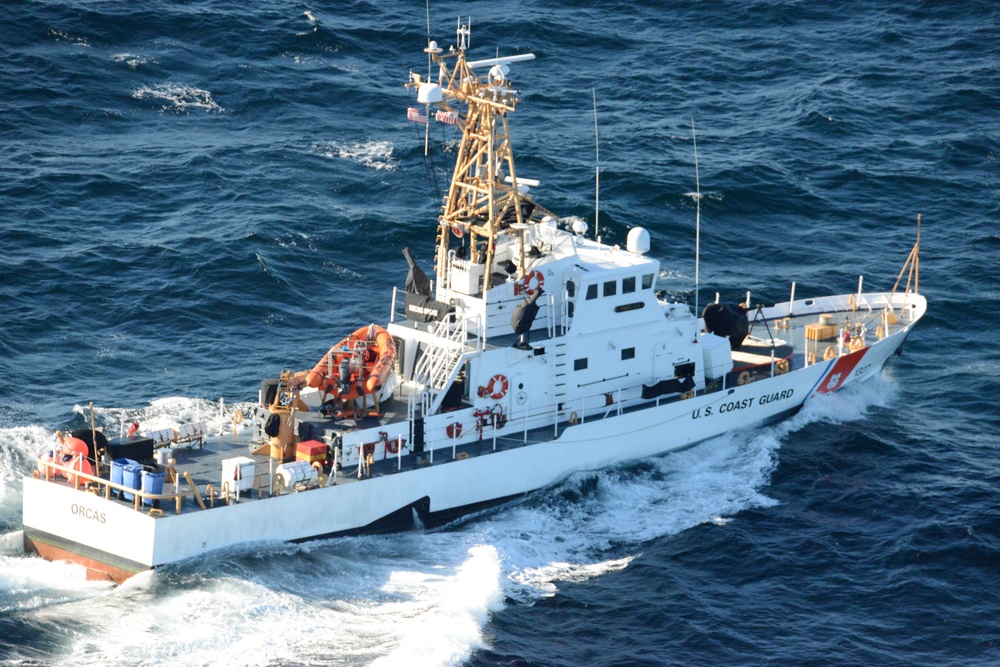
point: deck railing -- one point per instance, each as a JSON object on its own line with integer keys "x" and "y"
{"x": 100, "y": 486}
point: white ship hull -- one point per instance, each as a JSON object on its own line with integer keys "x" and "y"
{"x": 114, "y": 540}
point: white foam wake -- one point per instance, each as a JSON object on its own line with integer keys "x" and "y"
{"x": 167, "y": 412}
{"x": 132, "y": 60}
{"x": 446, "y": 625}
{"x": 372, "y": 154}
{"x": 379, "y": 611}
{"x": 611, "y": 513}
{"x": 18, "y": 448}
{"x": 32, "y": 583}
{"x": 178, "y": 98}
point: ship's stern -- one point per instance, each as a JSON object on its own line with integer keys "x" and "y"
{"x": 109, "y": 538}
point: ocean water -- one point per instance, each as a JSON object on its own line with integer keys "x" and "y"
{"x": 196, "y": 195}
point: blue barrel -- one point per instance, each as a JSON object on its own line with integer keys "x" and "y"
{"x": 117, "y": 470}
{"x": 132, "y": 478}
{"x": 152, "y": 482}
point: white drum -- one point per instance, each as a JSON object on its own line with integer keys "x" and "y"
{"x": 296, "y": 473}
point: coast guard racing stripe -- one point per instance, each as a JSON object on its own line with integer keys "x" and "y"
{"x": 840, "y": 371}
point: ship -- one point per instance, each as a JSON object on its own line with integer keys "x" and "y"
{"x": 535, "y": 352}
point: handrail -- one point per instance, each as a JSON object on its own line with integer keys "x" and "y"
{"x": 442, "y": 357}
{"x": 578, "y": 411}
{"x": 108, "y": 485}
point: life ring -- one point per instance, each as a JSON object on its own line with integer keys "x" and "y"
{"x": 782, "y": 367}
{"x": 392, "y": 446}
{"x": 536, "y": 276}
{"x": 829, "y": 353}
{"x": 456, "y": 231}
{"x": 454, "y": 430}
{"x": 812, "y": 357}
{"x": 853, "y": 302}
{"x": 497, "y": 388}
{"x": 743, "y": 378}
{"x": 573, "y": 419}
{"x": 856, "y": 344}
{"x": 880, "y": 332}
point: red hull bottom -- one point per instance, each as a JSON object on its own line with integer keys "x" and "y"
{"x": 97, "y": 570}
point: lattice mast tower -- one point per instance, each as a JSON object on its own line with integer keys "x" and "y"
{"x": 483, "y": 199}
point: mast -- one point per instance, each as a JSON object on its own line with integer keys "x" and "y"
{"x": 483, "y": 199}
{"x": 697, "y": 220}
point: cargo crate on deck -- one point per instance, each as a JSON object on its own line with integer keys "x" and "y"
{"x": 311, "y": 451}
{"x": 820, "y": 331}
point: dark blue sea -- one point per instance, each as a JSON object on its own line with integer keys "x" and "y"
{"x": 196, "y": 195}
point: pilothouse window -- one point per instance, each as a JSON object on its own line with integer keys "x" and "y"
{"x": 647, "y": 281}
{"x": 628, "y": 285}
{"x": 610, "y": 288}
{"x": 591, "y": 292}
{"x": 580, "y": 364}
{"x": 628, "y": 353}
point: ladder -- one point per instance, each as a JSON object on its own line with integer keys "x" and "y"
{"x": 437, "y": 367}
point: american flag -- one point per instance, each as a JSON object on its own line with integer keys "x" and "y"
{"x": 416, "y": 114}
{"x": 449, "y": 117}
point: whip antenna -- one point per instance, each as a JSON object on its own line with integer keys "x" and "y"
{"x": 597, "y": 171}
{"x": 427, "y": 107}
{"x": 697, "y": 216}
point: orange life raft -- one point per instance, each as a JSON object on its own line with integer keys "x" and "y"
{"x": 358, "y": 365}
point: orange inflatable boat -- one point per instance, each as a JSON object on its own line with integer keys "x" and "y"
{"x": 357, "y": 365}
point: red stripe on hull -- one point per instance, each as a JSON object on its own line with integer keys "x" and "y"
{"x": 838, "y": 374}
{"x": 97, "y": 570}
